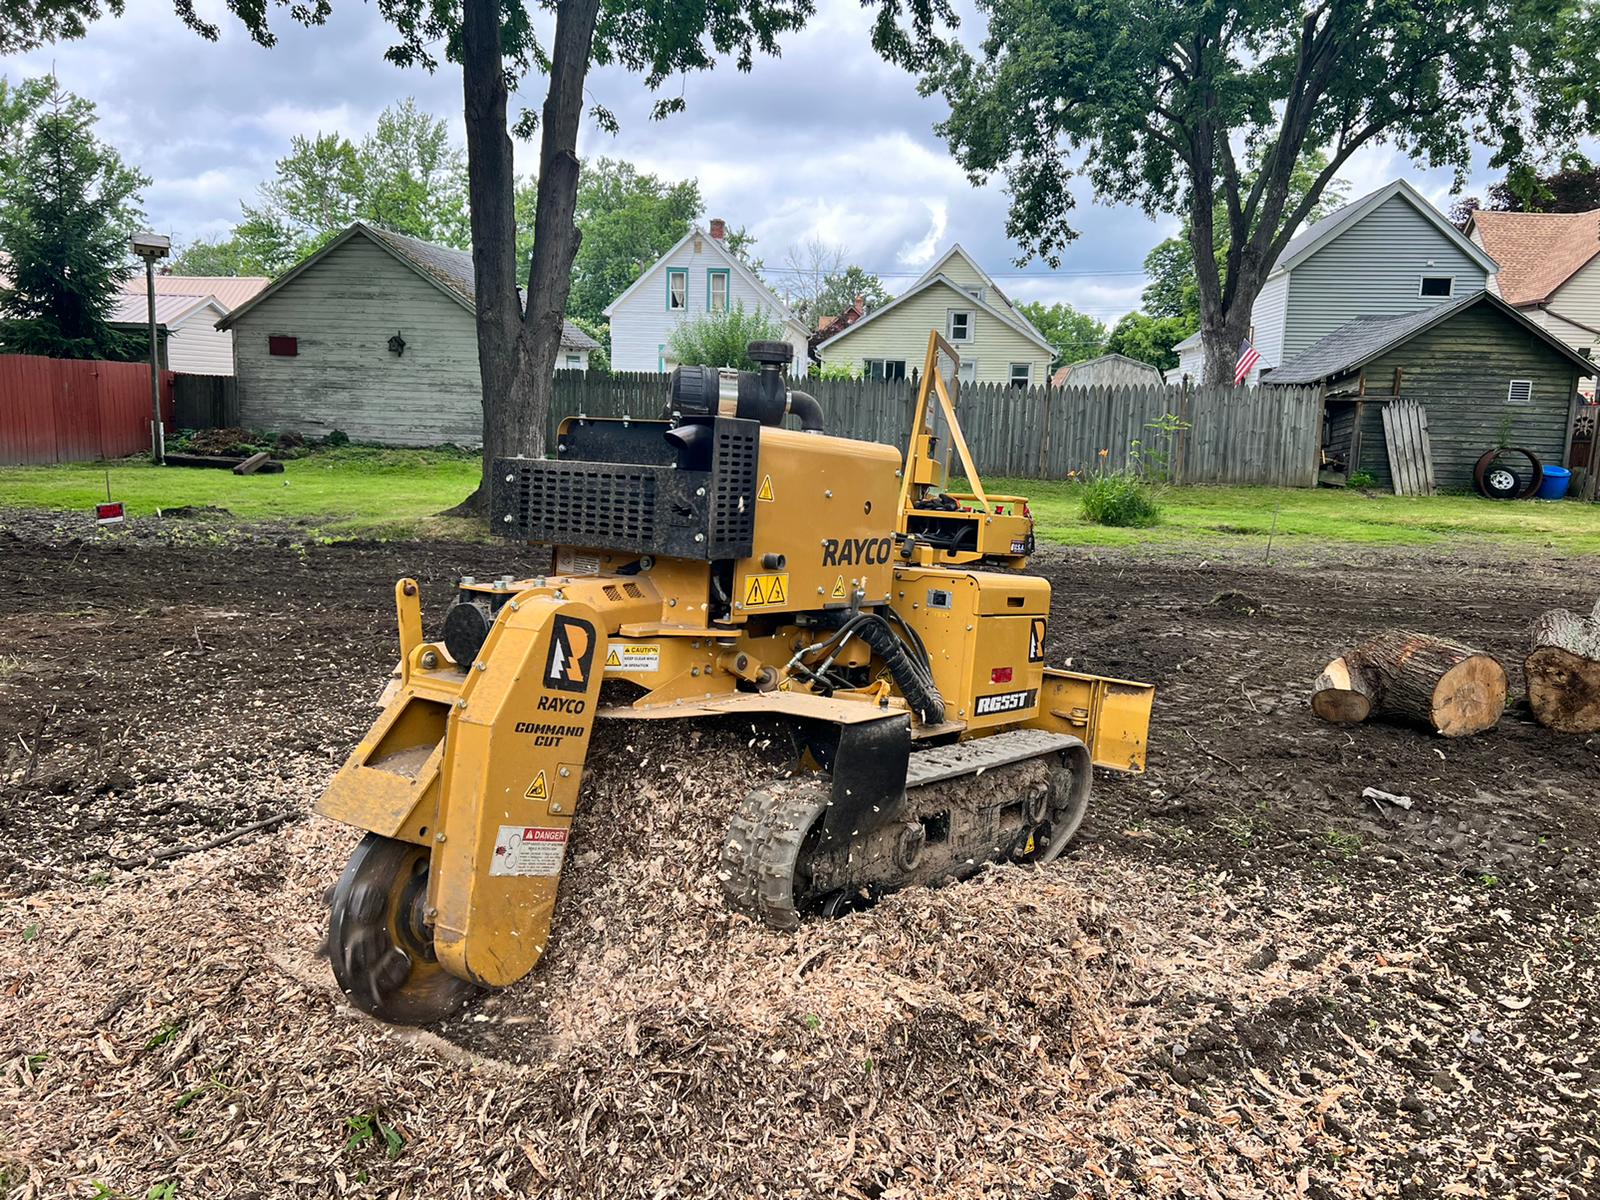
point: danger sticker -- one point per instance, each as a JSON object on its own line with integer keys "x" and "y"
{"x": 632, "y": 656}
{"x": 570, "y": 563}
{"x": 528, "y": 850}
{"x": 761, "y": 590}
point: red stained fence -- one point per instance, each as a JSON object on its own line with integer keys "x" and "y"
{"x": 65, "y": 410}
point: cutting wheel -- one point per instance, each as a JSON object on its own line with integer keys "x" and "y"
{"x": 378, "y": 939}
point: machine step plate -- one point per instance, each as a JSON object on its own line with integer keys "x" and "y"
{"x": 997, "y": 750}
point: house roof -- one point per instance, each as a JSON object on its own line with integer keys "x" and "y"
{"x": 1064, "y": 372}
{"x": 1020, "y": 324}
{"x": 957, "y": 249}
{"x": 1356, "y": 344}
{"x": 1192, "y": 340}
{"x": 230, "y": 290}
{"x": 171, "y": 307}
{"x": 737, "y": 264}
{"x": 1319, "y": 233}
{"x": 448, "y": 270}
{"x": 1537, "y": 252}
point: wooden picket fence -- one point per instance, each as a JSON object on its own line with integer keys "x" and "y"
{"x": 1219, "y": 435}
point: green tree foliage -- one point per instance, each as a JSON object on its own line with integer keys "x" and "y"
{"x": 1075, "y": 335}
{"x": 600, "y": 331}
{"x": 405, "y": 175}
{"x": 215, "y": 256}
{"x": 628, "y": 219}
{"x": 817, "y": 281}
{"x": 1174, "y": 288}
{"x": 1151, "y": 101}
{"x": 68, "y": 204}
{"x": 840, "y": 288}
{"x": 1573, "y": 187}
{"x": 720, "y": 339}
{"x": 1149, "y": 339}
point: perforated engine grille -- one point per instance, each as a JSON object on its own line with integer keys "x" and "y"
{"x": 586, "y": 504}
{"x": 733, "y": 491}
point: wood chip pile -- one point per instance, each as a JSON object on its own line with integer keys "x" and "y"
{"x": 996, "y": 1038}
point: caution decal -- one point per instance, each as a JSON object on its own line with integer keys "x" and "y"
{"x": 761, "y": 591}
{"x": 528, "y": 850}
{"x": 632, "y": 656}
{"x": 765, "y": 491}
{"x": 538, "y": 789}
{"x": 838, "y": 592}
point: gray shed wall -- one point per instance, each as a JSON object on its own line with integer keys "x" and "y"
{"x": 343, "y": 310}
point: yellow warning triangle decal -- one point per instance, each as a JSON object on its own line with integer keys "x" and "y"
{"x": 765, "y": 492}
{"x": 752, "y": 592}
{"x": 538, "y": 789}
{"x": 838, "y": 588}
{"x": 612, "y": 660}
{"x": 775, "y": 592}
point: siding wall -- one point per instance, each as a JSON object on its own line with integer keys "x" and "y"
{"x": 1460, "y": 372}
{"x": 196, "y": 346}
{"x": 343, "y": 310}
{"x": 903, "y": 333}
{"x": 1269, "y": 315}
{"x": 642, "y": 323}
{"x": 1372, "y": 269}
{"x": 1579, "y": 299}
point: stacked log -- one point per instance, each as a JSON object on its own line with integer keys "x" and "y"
{"x": 1563, "y": 671}
{"x": 1449, "y": 687}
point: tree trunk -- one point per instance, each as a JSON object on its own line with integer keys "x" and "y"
{"x": 1220, "y": 342}
{"x": 1563, "y": 671}
{"x": 1449, "y": 687}
{"x": 1341, "y": 695}
{"x": 517, "y": 347}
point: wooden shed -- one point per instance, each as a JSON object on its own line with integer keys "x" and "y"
{"x": 1483, "y": 375}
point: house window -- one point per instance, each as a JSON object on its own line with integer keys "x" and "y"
{"x": 977, "y": 293}
{"x": 1438, "y": 287}
{"x": 960, "y": 327}
{"x": 283, "y": 347}
{"x": 574, "y": 362}
{"x": 717, "y": 290}
{"x": 885, "y": 368}
{"x": 967, "y": 372}
{"x": 1021, "y": 375}
{"x": 1520, "y": 392}
{"x": 677, "y": 288}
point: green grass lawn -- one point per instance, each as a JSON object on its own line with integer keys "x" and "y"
{"x": 363, "y": 491}
{"x": 1243, "y": 516}
{"x": 352, "y": 491}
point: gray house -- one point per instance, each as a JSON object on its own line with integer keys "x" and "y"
{"x": 1484, "y": 374}
{"x": 1388, "y": 253}
{"x": 374, "y": 335}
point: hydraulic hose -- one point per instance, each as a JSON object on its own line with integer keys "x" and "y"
{"x": 916, "y": 685}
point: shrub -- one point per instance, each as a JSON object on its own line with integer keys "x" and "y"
{"x": 336, "y": 437}
{"x": 718, "y": 339}
{"x": 1362, "y": 479}
{"x": 1121, "y": 500}
{"x": 835, "y": 370}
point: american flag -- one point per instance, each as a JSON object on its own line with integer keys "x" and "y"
{"x": 1249, "y": 356}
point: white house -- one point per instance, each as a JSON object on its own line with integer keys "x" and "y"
{"x": 698, "y": 275}
{"x": 1389, "y": 253}
{"x": 190, "y": 306}
{"x": 195, "y": 345}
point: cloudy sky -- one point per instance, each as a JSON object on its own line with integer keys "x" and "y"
{"x": 825, "y": 141}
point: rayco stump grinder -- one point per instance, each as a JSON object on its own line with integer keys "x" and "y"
{"x": 707, "y": 564}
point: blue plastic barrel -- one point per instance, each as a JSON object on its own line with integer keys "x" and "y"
{"x": 1556, "y": 480}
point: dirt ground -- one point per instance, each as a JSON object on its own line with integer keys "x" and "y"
{"x": 1245, "y": 980}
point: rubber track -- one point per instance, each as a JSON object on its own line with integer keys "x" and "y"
{"x": 763, "y": 846}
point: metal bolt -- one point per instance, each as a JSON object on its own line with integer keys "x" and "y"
{"x": 480, "y": 665}
{"x": 538, "y": 581}
{"x": 561, "y": 448}
{"x": 460, "y": 703}
{"x": 820, "y": 592}
{"x": 555, "y": 806}
{"x": 828, "y": 494}
{"x": 509, "y": 478}
{"x": 439, "y": 837}
{"x": 694, "y": 672}
{"x": 565, "y": 773}
{"x": 672, "y": 603}
{"x": 409, "y": 588}
{"x": 430, "y": 660}
{"x": 507, "y": 518}
{"x": 468, "y": 580}
{"x": 430, "y": 912}
{"x": 699, "y": 491}
{"x": 513, "y": 606}
{"x": 699, "y": 537}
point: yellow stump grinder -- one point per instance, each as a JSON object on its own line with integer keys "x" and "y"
{"x": 708, "y": 564}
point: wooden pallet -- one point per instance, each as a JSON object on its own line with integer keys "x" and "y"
{"x": 1405, "y": 432}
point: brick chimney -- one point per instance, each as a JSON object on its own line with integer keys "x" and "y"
{"x": 719, "y": 228}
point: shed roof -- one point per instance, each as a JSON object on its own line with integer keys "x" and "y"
{"x": 1064, "y": 372}
{"x": 448, "y": 270}
{"x": 1356, "y": 344}
{"x": 1537, "y": 252}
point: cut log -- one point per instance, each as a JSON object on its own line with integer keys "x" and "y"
{"x": 1449, "y": 687}
{"x": 253, "y": 464}
{"x": 1341, "y": 695}
{"x": 1563, "y": 671}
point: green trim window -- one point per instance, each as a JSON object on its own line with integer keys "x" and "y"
{"x": 718, "y": 285}
{"x": 677, "y": 289}
{"x": 885, "y": 368}
{"x": 661, "y": 357}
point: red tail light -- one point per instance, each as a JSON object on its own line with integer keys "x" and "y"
{"x": 1000, "y": 675}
